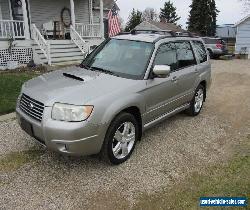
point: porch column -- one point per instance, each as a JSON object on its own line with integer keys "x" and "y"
{"x": 1, "y": 17}
{"x": 72, "y": 10}
{"x": 101, "y": 19}
{"x": 26, "y": 20}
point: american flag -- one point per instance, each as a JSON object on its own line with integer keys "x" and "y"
{"x": 114, "y": 25}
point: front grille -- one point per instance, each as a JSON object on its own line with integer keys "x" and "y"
{"x": 32, "y": 107}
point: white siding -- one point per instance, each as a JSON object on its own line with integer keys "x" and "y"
{"x": 96, "y": 15}
{"x": 243, "y": 36}
{"x": 5, "y": 9}
{"x": 82, "y": 11}
{"x": 47, "y": 10}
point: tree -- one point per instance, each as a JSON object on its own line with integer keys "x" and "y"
{"x": 150, "y": 14}
{"x": 168, "y": 13}
{"x": 203, "y": 17}
{"x": 121, "y": 21}
{"x": 135, "y": 19}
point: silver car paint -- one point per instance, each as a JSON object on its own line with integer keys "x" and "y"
{"x": 109, "y": 95}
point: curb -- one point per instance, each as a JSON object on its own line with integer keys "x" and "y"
{"x": 7, "y": 117}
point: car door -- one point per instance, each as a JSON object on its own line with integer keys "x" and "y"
{"x": 161, "y": 92}
{"x": 187, "y": 72}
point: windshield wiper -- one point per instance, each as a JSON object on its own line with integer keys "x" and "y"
{"x": 102, "y": 70}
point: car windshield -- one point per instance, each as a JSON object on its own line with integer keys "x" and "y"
{"x": 123, "y": 58}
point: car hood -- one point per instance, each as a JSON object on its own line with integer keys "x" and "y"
{"x": 74, "y": 86}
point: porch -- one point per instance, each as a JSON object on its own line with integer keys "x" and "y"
{"x": 77, "y": 21}
{"x": 54, "y": 17}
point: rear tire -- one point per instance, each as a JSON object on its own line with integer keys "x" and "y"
{"x": 211, "y": 55}
{"x": 120, "y": 139}
{"x": 197, "y": 102}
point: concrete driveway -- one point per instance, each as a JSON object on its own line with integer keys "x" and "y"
{"x": 32, "y": 178}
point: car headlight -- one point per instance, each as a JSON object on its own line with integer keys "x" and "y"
{"x": 71, "y": 113}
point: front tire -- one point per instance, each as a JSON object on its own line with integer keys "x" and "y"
{"x": 120, "y": 139}
{"x": 196, "y": 104}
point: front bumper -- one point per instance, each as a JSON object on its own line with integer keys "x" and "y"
{"x": 80, "y": 138}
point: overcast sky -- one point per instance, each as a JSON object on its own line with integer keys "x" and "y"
{"x": 231, "y": 11}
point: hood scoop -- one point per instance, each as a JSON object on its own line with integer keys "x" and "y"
{"x": 73, "y": 77}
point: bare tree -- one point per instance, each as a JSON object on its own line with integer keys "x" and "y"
{"x": 122, "y": 23}
{"x": 150, "y": 14}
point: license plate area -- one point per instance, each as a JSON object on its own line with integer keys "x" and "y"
{"x": 27, "y": 127}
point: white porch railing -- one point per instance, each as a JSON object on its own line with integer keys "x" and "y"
{"x": 78, "y": 40}
{"x": 12, "y": 28}
{"x": 88, "y": 30}
{"x": 41, "y": 42}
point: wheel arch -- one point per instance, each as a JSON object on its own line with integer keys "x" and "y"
{"x": 204, "y": 84}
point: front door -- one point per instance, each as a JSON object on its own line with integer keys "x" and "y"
{"x": 161, "y": 92}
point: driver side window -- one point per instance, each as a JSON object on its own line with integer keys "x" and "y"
{"x": 167, "y": 55}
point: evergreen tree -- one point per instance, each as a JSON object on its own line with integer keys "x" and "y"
{"x": 168, "y": 13}
{"x": 203, "y": 17}
{"x": 214, "y": 14}
{"x": 135, "y": 19}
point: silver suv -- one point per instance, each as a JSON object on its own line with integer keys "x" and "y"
{"x": 216, "y": 47}
{"x": 126, "y": 85}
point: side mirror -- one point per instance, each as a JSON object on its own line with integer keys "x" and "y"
{"x": 161, "y": 71}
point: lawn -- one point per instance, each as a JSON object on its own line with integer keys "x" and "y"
{"x": 10, "y": 86}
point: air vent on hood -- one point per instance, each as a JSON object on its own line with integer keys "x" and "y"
{"x": 73, "y": 77}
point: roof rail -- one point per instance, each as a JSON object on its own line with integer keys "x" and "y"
{"x": 163, "y": 32}
{"x": 167, "y": 33}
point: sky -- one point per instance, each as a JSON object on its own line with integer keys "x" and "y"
{"x": 231, "y": 11}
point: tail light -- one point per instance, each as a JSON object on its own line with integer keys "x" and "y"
{"x": 219, "y": 45}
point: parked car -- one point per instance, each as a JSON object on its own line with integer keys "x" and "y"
{"x": 126, "y": 85}
{"x": 216, "y": 47}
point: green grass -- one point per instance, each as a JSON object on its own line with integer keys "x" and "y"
{"x": 10, "y": 86}
{"x": 228, "y": 179}
{"x": 15, "y": 160}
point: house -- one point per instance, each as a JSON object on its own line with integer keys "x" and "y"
{"x": 242, "y": 45}
{"x": 51, "y": 32}
{"x": 228, "y": 33}
{"x": 154, "y": 25}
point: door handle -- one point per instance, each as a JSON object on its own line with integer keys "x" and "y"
{"x": 196, "y": 71}
{"x": 175, "y": 79}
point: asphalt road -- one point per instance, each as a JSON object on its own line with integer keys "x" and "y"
{"x": 33, "y": 178}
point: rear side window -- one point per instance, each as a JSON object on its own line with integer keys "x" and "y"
{"x": 212, "y": 41}
{"x": 200, "y": 51}
{"x": 185, "y": 55}
{"x": 166, "y": 55}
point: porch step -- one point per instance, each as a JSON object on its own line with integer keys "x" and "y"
{"x": 64, "y": 58}
{"x": 58, "y": 46}
{"x": 62, "y": 52}
{"x": 59, "y": 42}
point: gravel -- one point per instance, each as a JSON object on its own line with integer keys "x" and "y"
{"x": 167, "y": 154}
